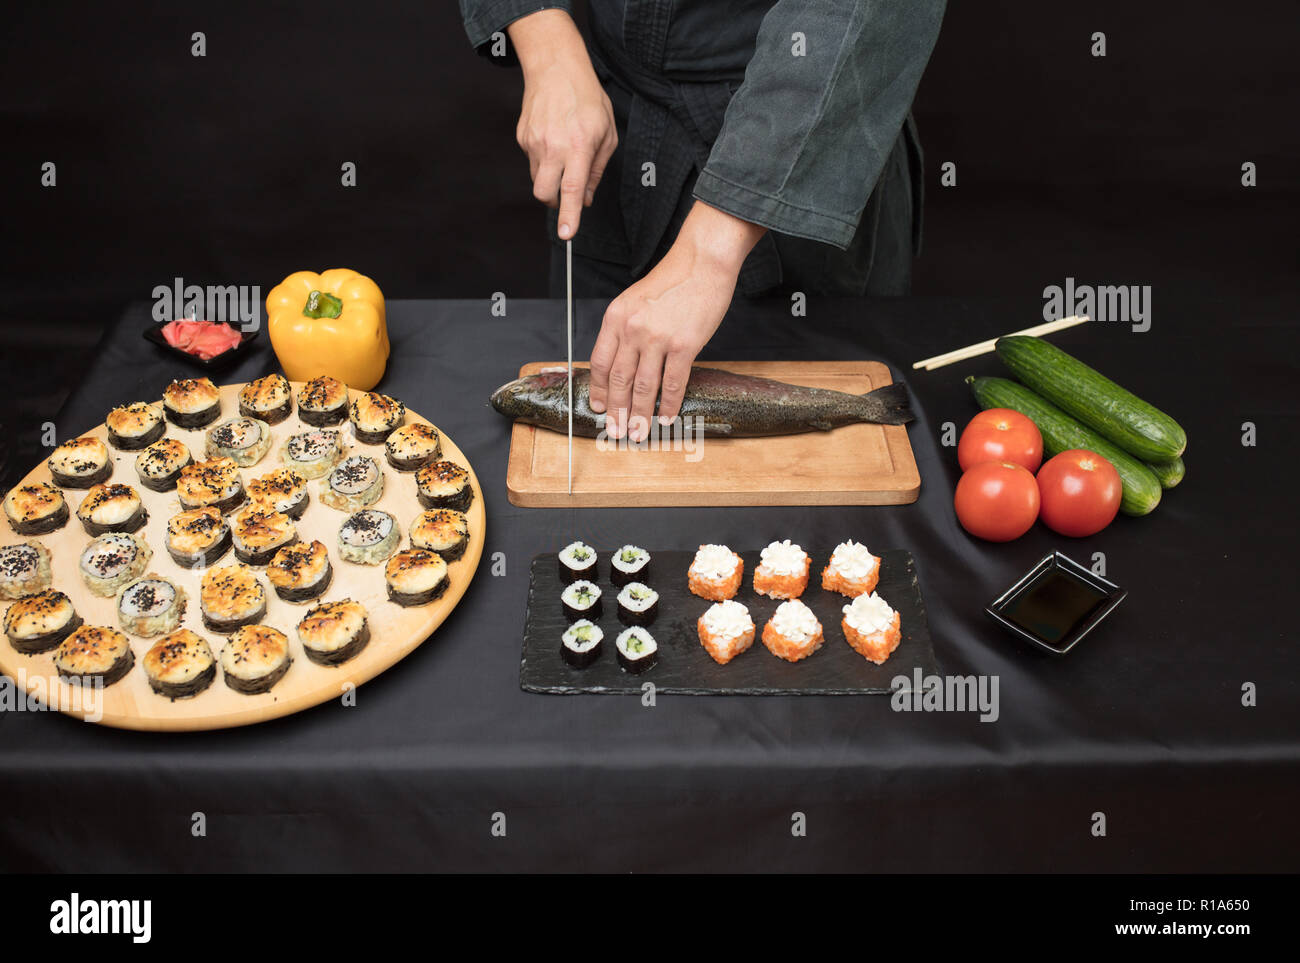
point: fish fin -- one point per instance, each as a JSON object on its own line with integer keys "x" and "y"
{"x": 821, "y": 425}
{"x": 888, "y": 405}
{"x": 717, "y": 429}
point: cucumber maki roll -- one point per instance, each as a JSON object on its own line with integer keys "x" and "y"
{"x": 581, "y": 600}
{"x": 577, "y": 561}
{"x": 637, "y": 649}
{"x": 629, "y": 564}
{"x": 637, "y": 604}
{"x": 581, "y": 643}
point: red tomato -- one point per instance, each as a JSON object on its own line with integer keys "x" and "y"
{"x": 1000, "y": 434}
{"x": 1080, "y": 492}
{"x": 997, "y": 500}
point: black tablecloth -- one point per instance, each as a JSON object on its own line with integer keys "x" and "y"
{"x": 1144, "y": 722}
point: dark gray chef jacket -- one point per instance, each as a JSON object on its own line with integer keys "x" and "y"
{"x": 792, "y": 114}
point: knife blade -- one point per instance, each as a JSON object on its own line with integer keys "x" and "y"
{"x": 568, "y": 280}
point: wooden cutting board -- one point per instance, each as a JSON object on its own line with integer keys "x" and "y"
{"x": 854, "y": 465}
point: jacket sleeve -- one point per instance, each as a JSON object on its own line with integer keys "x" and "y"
{"x": 805, "y": 138}
{"x": 483, "y": 18}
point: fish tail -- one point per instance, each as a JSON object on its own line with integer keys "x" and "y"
{"x": 887, "y": 405}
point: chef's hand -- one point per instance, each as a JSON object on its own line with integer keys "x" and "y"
{"x": 652, "y": 331}
{"x": 566, "y": 126}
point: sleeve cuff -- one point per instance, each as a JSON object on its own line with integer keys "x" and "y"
{"x": 484, "y": 19}
{"x": 772, "y": 212}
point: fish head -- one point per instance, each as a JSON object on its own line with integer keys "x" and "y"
{"x": 517, "y": 398}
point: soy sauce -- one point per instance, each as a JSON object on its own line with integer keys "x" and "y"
{"x": 1053, "y": 604}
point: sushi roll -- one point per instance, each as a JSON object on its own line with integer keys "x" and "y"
{"x": 197, "y": 538}
{"x": 444, "y": 484}
{"x": 581, "y": 643}
{"x": 782, "y": 571}
{"x": 231, "y": 597}
{"x": 413, "y": 446}
{"x": 24, "y": 569}
{"x": 872, "y": 627}
{"x": 192, "y": 402}
{"x": 135, "y": 426}
{"x": 282, "y": 490}
{"x": 150, "y": 606}
{"x": 793, "y": 632}
{"x": 111, "y": 508}
{"x": 726, "y": 630}
{"x": 323, "y": 402}
{"x": 577, "y": 561}
{"x": 160, "y": 465}
{"x": 243, "y": 440}
{"x": 268, "y": 399}
{"x": 300, "y": 572}
{"x": 581, "y": 600}
{"x": 312, "y": 454}
{"x": 179, "y": 665}
{"x": 258, "y": 533}
{"x": 356, "y": 482}
{"x": 715, "y": 573}
{"x": 374, "y": 417}
{"x": 36, "y": 509}
{"x": 441, "y": 530}
{"x": 211, "y": 484}
{"x": 37, "y": 623}
{"x": 112, "y": 560}
{"x": 80, "y": 463}
{"x": 94, "y": 655}
{"x": 255, "y": 658}
{"x": 416, "y": 577}
{"x": 637, "y": 650}
{"x": 368, "y": 537}
{"x": 637, "y": 604}
{"x": 334, "y": 632}
{"x": 852, "y": 571}
{"x": 629, "y": 564}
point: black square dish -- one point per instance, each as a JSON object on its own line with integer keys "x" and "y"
{"x": 1055, "y": 604}
{"x": 224, "y": 360}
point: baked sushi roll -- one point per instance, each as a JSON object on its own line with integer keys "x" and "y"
{"x": 283, "y": 490}
{"x": 214, "y": 483}
{"x": 374, "y": 417}
{"x": 441, "y": 530}
{"x": 112, "y": 560}
{"x": 581, "y": 600}
{"x": 24, "y": 569}
{"x": 179, "y": 665}
{"x": 444, "y": 484}
{"x": 580, "y": 644}
{"x": 135, "y": 426}
{"x": 368, "y": 537}
{"x": 312, "y": 454}
{"x": 323, "y": 402}
{"x": 243, "y": 440}
{"x": 726, "y": 630}
{"x": 160, "y": 465}
{"x": 354, "y": 483}
{"x": 231, "y": 597}
{"x": 638, "y": 604}
{"x": 197, "y": 538}
{"x": 334, "y": 632}
{"x": 637, "y": 650}
{"x": 852, "y": 571}
{"x": 192, "y": 402}
{"x": 416, "y": 577}
{"x": 268, "y": 399}
{"x": 258, "y": 533}
{"x": 300, "y": 572}
{"x": 255, "y": 658}
{"x": 149, "y": 606}
{"x": 782, "y": 571}
{"x": 39, "y": 622}
{"x": 413, "y": 446}
{"x": 36, "y": 509}
{"x": 577, "y": 560}
{"x": 793, "y": 632}
{"x": 80, "y": 463}
{"x": 872, "y": 627}
{"x": 94, "y": 655}
{"x": 111, "y": 507}
{"x": 629, "y": 564}
{"x": 715, "y": 573}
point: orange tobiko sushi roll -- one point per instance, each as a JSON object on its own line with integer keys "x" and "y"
{"x": 853, "y": 570}
{"x": 871, "y": 627}
{"x": 716, "y": 573}
{"x": 782, "y": 572}
{"x": 726, "y": 630}
{"x": 793, "y": 632}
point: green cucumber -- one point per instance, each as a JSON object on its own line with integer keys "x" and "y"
{"x": 1117, "y": 415}
{"x": 1170, "y": 473}
{"x": 1062, "y": 433}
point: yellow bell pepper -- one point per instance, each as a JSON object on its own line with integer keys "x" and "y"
{"x": 329, "y": 324}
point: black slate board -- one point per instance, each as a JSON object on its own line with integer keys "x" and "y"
{"x": 685, "y": 668}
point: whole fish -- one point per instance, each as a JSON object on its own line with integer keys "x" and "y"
{"x": 726, "y": 405}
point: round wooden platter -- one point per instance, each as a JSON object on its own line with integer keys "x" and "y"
{"x": 131, "y": 704}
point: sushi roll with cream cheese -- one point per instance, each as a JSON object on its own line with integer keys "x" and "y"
{"x": 444, "y": 484}
{"x": 179, "y": 665}
{"x": 282, "y": 490}
{"x": 111, "y": 507}
{"x": 441, "y": 530}
{"x": 36, "y": 509}
{"x": 80, "y": 463}
{"x": 268, "y": 399}
{"x": 312, "y": 454}
{"x": 581, "y": 600}
{"x": 39, "y": 622}
{"x": 726, "y": 630}
{"x": 715, "y": 573}
{"x": 112, "y": 560}
{"x": 334, "y": 632}
{"x": 150, "y": 605}
{"x": 258, "y": 533}
{"x": 214, "y": 483}
{"x": 782, "y": 572}
{"x": 24, "y": 569}
{"x": 322, "y": 402}
{"x": 416, "y": 577}
{"x": 629, "y": 564}
{"x": 638, "y": 604}
{"x": 255, "y": 658}
{"x": 94, "y": 655}
{"x": 160, "y": 465}
{"x": 637, "y": 650}
{"x": 852, "y": 571}
{"x": 413, "y": 446}
{"x": 198, "y": 537}
{"x": 577, "y": 561}
{"x": 793, "y": 632}
{"x": 135, "y": 426}
{"x": 231, "y": 597}
{"x": 368, "y": 537}
{"x": 354, "y": 483}
{"x": 192, "y": 402}
{"x": 581, "y": 643}
{"x": 300, "y": 572}
{"x": 872, "y": 627}
{"x": 374, "y": 417}
{"x": 243, "y": 440}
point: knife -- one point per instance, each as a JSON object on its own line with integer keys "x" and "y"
{"x": 568, "y": 277}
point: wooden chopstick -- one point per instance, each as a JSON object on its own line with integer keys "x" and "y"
{"x": 984, "y": 347}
